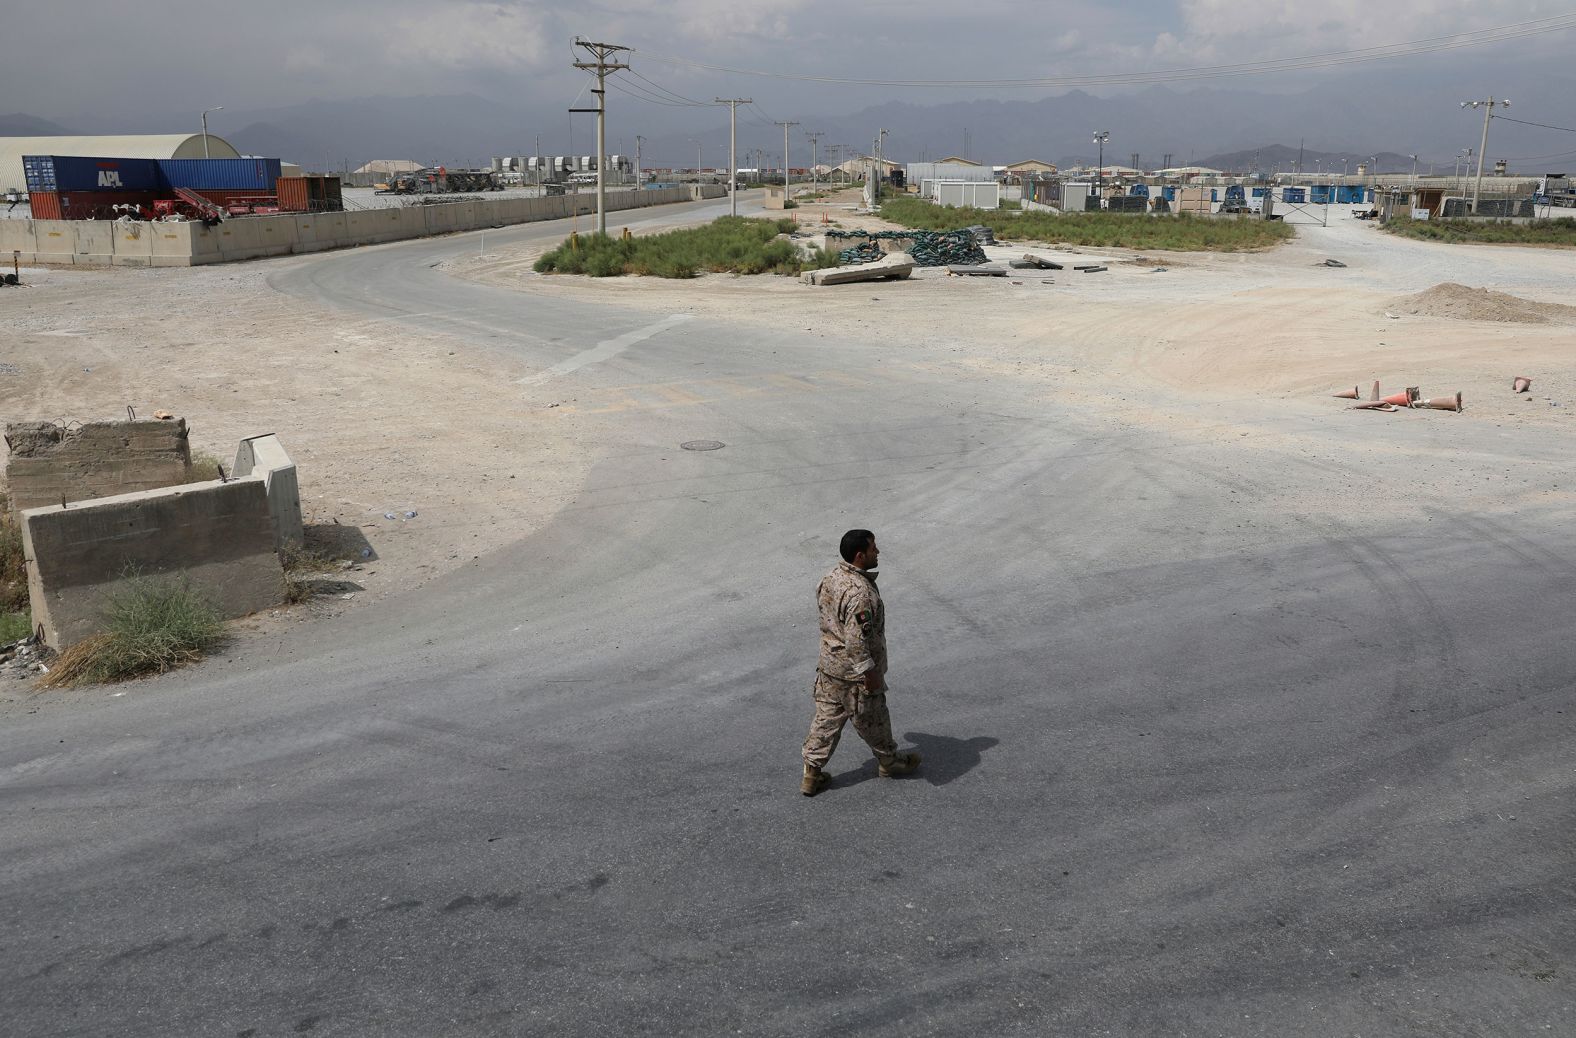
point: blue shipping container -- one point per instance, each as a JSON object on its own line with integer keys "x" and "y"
{"x": 1297, "y": 195}
{"x": 81, "y": 173}
{"x": 220, "y": 174}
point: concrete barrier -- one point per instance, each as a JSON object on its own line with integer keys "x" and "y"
{"x": 218, "y": 535}
{"x": 171, "y": 245}
{"x": 248, "y": 237}
{"x": 49, "y": 465}
{"x": 94, "y": 242}
{"x": 265, "y": 456}
{"x": 133, "y": 244}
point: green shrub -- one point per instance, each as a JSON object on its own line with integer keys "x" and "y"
{"x": 1179, "y": 233}
{"x": 732, "y": 244}
{"x": 153, "y": 625}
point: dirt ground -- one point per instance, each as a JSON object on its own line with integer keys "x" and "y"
{"x": 361, "y": 404}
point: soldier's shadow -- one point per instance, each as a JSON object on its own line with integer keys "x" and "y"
{"x": 944, "y": 758}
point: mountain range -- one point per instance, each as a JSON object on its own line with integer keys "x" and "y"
{"x": 1234, "y": 129}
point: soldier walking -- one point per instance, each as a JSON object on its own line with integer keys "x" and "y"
{"x": 850, "y": 678}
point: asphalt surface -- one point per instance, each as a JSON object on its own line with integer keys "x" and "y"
{"x": 1197, "y": 761}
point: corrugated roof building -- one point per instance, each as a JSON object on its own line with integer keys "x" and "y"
{"x": 134, "y": 146}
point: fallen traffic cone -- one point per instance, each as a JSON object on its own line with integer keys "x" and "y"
{"x": 1406, "y": 398}
{"x": 1441, "y": 403}
{"x": 1520, "y": 384}
{"x": 1348, "y": 394}
{"x": 1373, "y": 405}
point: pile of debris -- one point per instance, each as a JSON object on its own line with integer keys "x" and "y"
{"x": 24, "y": 659}
{"x": 1410, "y": 397}
{"x": 928, "y": 248}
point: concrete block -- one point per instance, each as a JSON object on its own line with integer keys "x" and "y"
{"x": 206, "y": 244}
{"x": 892, "y": 265}
{"x": 276, "y": 235}
{"x": 100, "y": 459}
{"x": 171, "y": 245}
{"x": 133, "y": 244}
{"x": 94, "y": 242}
{"x": 218, "y": 535}
{"x": 265, "y": 456}
{"x": 17, "y": 236}
{"x": 54, "y": 241}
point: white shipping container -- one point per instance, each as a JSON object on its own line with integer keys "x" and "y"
{"x": 968, "y": 194}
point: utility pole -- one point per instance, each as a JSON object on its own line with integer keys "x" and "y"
{"x": 601, "y": 66}
{"x": 1488, "y": 113}
{"x": 1100, "y": 137}
{"x": 815, "y": 176}
{"x": 638, "y": 141}
{"x": 881, "y": 136}
{"x": 733, "y": 104}
{"x": 787, "y": 188}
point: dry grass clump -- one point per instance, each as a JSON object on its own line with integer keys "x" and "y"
{"x": 154, "y": 625}
{"x": 301, "y": 564}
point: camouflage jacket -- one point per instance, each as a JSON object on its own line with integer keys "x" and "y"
{"x": 853, "y": 624}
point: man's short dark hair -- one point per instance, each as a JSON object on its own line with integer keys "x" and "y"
{"x": 854, "y": 542}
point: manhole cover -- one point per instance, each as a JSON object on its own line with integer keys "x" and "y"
{"x": 701, "y": 445}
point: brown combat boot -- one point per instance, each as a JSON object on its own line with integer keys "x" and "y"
{"x": 814, "y": 781}
{"x": 900, "y": 764}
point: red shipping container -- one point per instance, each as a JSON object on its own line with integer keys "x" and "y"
{"x": 45, "y": 205}
{"x": 84, "y": 205}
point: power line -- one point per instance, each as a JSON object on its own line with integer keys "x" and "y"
{"x": 1546, "y": 126}
{"x": 1497, "y": 34}
{"x": 639, "y": 93}
{"x": 658, "y": 87}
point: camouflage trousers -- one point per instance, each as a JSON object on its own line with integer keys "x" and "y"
{"x": 838, "y": 702}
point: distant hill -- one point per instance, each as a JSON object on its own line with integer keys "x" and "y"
{"x": 1283, "y": 158}
{"x": 19, "y": 125}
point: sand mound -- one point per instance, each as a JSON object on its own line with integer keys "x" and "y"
{"x": 1461, "y": 303}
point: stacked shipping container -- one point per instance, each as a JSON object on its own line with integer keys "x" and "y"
{"x": 72, "y": 187}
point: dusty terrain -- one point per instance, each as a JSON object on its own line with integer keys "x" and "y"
{"x": 383, "y": 421}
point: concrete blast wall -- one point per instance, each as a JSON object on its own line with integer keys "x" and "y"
{"x": 49, "y": 464}
{"x": 265, "y": 456}
{"x": 103, "y": 243}
{"x": 219, "y": 536}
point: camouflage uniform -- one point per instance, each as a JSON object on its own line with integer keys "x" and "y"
{"x": 853, "y": 643}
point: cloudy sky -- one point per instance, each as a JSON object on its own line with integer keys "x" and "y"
{"x": 129, "y": 61}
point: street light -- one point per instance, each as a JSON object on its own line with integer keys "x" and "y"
{"x": 1100, "y": 137}
{"x": 1488, "y": 113}
{"x": 205, "y": 112}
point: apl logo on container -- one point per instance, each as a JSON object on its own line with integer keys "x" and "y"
{"x": 109, "y": 176}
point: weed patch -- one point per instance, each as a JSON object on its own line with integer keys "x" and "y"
{"x": 13, "y": 570}
{"x": 1487, "y": 232}
{"x": 154, "y": 625}
{"x": 1179, "y": 233}
{"x": 301, "y": 565}
{"x": 205, "y": 467}
{"x": 732, "y": 244}
{"x": 15, "y": 626}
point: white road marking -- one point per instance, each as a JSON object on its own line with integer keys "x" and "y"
{"x": 605, "y": 350}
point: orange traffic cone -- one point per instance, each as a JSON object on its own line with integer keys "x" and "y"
{"x": 1348, "y": 394}
{"x": 1373, "y": 405}
{"x": 1406, "y": 398}
{"x": 1520, "y": 384}
{"x": 1441, "y": 403}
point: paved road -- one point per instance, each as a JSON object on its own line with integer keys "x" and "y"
{"x": 1199, "y": 761}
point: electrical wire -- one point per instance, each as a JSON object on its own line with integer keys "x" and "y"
{"x": 658, "y": 87}
{"x": 638, "y": 92}
{"x": 1457, "y": 41}
{"x": 1524, "y": 122}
